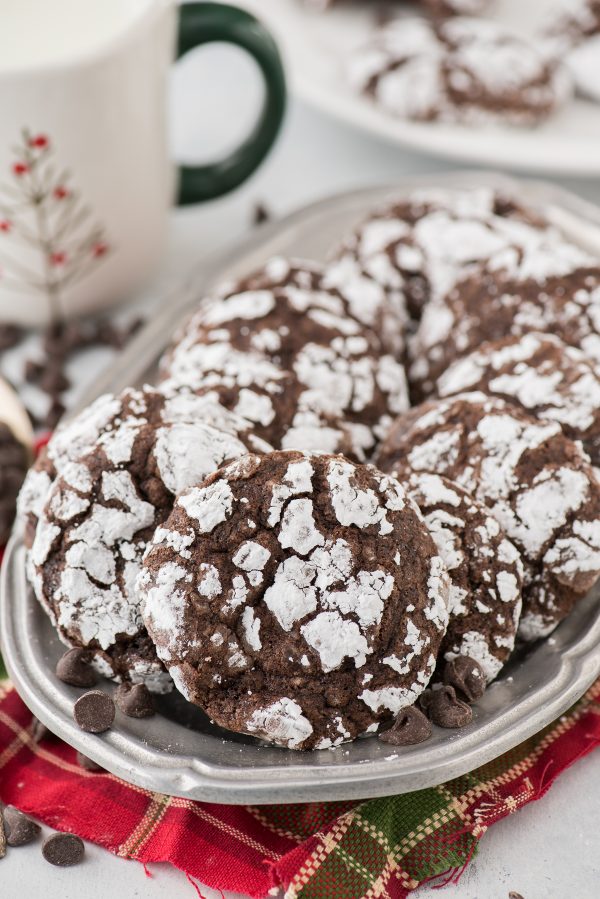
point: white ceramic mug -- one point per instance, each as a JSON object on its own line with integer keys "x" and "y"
{"x": 85, "y": 178}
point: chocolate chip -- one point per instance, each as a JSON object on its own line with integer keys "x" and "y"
{"x": 107, "y": 334}
{"x": 19, "y": 829}
{"x": 74, "y": 668}
{"x": 87, "y": 763}
{"x": 39, "y": 731}
{"x": 134, "y": 700}
{"x": 260, "y": 214}
{"x": 466, "y": 676}
{"x": 33, "y": 371}
{"x": 94, "y": 712}
{"x": 411, "y": 726}
{"x": 74, "y": 336}
{"x": 53, "y": 381}
{"x": 10, "y": 335}
{"x": 445, "y": 709}
{"x": 513, "y": 895}
{"x": 63, "y": 849}
{"x": 54, "y": 342}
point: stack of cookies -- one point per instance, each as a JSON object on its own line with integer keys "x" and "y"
{"x": 276, "y": 531}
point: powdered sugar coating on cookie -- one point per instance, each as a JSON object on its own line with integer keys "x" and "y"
{"x": 536, "y": 482}
{"x": 294, "y": 348}
{"x": 540, "y": 373}
{"x": 101, "y": 511}
{"x": 466, "y": 69}
{"x": 543, "y": 284}
{"x": 418, "y": 245}
{"x": 485, "y": 569}
{"x": 313, "y": 598}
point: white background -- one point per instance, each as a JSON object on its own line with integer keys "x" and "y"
{"x": 551, "y": 848}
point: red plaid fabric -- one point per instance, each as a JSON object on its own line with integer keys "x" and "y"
{"x": 382, "y": 847}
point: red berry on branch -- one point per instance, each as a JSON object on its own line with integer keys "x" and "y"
{"x": 40, "y": 141}
{"x": 60, "y": 192}
{"x": 58, "y": 258}
{"x": 20, "y": 168}
{"x": 5, "y": 225}
{"x": 99, "y": 249}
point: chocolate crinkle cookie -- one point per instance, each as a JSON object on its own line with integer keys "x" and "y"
{"x": 537, "y": 483}
{"x": 540, "y": 373}
{"x": 485, "y": 568}
{"x": 417, "y": 246}
{"x": 102, "y": 509}
{"x": 298, "y": 598}
{"x": 107, "y": 420}
{"x": 297, "y": 355}
{"x": 541, "y": 284}
{"x": 572, "y": 22}
{"x": 465, "y": 69}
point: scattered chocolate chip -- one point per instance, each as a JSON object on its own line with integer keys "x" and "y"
{"x": 53, "y": 341}
{"x": 19, "y": 829}
{"x": 33, "y": 371}
{"x": 39, "y": 731}
{"x": 74, "y": 668}
{"x": 260, "y": 214}
{"x": 132, "y": 328}
{"x": 88, "y": 764}
{"x": 411, "y": 726}
{"x": 135, "y": 700}
{"x": 466, "y": 676}
{"x": 10, "y": 335}
{"x": 513, "y": 895}
{"x": 53, "y": 381}
{"x": 63, "y": 849}
{"x": 445, "y": 709}
{"x": 60, "y": 342}
{"x": 74, "y": 336}
{"x": 94, "y": 712}
{"x": 107, "y": 333}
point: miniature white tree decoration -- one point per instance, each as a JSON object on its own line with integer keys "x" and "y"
{"x": 44, "y": 217}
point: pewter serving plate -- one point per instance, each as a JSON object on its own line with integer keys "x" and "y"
{"x": 179, "y": 751}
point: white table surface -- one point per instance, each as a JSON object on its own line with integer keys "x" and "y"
{"x": 549, "y": 849}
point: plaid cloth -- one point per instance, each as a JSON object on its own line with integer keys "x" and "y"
{"x": 379, "y": 848}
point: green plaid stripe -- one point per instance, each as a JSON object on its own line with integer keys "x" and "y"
{"x": 397, "y": 842}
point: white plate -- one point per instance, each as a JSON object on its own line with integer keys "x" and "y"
{"x": 316, "y": 45}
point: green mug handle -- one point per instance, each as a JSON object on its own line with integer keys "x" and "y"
{"x": 203, "y": 23}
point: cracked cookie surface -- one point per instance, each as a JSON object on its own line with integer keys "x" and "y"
{"x": 547, "y": 378}
{"x": 459, "y": 70}
{"x": 485, "y": 568}
{"x": 296, "y": 597}
{"x": 102, "y": 508}
{"x": 536, "y": 482}
{"x": 294, "y": 344}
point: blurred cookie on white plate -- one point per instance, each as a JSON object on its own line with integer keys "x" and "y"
{"x": 460, "y": 70}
